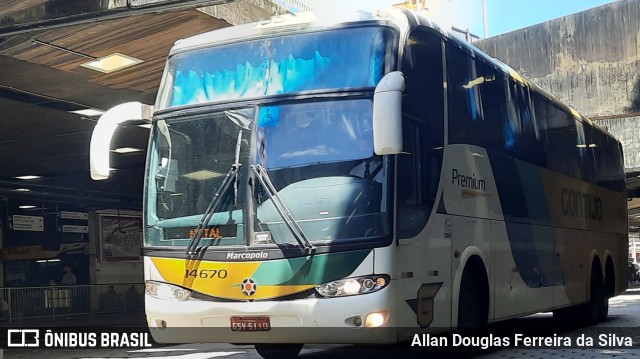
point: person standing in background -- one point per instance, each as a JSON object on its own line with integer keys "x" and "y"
{"x": 68, "y": 278}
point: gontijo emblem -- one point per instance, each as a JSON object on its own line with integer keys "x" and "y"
{"x": 249, "y": 287}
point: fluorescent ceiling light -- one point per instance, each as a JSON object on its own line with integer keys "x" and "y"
{"x": 202, "y": 175}
{"x": 21, "y": 190}
{"x": 48, "y": 260}
{"x": 28, "y": 177}
{"x": 111, "y": 63}
{"x": 89, "y": 112}
{"x": 127, "y": 150}
{"x": 26, "y": 207}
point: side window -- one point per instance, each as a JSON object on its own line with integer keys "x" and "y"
{"x": 617, "y": 166}
{"x": 494, "y": 106}
{"x": 561, "y": 138}
{"x": 464, "y": 108}
{"x": 512, "y": 127}
{"x": 540, "y": 106}
{"x": 423, "y": 131}
{"x": 531, "y": 146}
{"x": 607, "y": 157}
{"x": 583, "y": 147}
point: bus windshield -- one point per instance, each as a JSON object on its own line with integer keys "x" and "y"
{"x": 325, "y": 60}
{"x": 317, "y": 156}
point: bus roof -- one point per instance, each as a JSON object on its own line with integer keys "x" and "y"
{"x": 281, "y": 24}
{"x": 401, "y": 18}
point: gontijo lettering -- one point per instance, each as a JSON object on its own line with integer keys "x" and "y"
{"x": 580, "y": 204}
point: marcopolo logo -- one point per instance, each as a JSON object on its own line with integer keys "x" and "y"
{"x": 247, "y": 256}
{"x": 249, "y": 287}
{"x": 23, "y": 338}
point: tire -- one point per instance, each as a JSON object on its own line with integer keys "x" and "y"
{"x": 597, "y": 309}
{"x": 472, "y": 306}
{"x": 592, "y": 312}
{"x": 603, "y": 313}
{"x": 278, "y": 351}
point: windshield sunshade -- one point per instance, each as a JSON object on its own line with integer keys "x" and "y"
{"x": 304, "y": 62}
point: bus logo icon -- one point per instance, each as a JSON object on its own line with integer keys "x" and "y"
{"x": 249, "y": 287}
{"x": 23, "y": 338}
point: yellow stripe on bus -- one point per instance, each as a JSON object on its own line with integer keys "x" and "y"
{"x": 221, "y": 279}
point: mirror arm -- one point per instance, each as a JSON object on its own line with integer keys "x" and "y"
{"x": 100, "y": 147}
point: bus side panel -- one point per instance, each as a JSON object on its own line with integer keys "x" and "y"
{"x": 573, "y": 250}
{"x": 521, "y": 288}
{"x": 554, "y": 225}
{"x": 471, "y": 203}
{"x": 590, "y": 221}
{"x": 542, "y": 228}
{"x": 424, "y": 279}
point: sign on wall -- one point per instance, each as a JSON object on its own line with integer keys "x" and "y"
{"x": 74, "y": 215}
{"x": 27, "y": 223}
{"x": 120, "y": 237}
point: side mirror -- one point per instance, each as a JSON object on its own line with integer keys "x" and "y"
{"x": 387, "y": 114}
{"x": 100, "y": 147}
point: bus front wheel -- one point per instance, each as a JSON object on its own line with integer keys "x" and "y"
{"x": 473, "y": 304}
{"x": 278, "y": 351}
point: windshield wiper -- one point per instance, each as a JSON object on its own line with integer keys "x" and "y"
{"x": 282, "y": 209}
{"x": 217, "y": 198}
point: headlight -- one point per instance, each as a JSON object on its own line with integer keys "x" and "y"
{"x": 166, "y": 291}
{"x": 353, "y": 286}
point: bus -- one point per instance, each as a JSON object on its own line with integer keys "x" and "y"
{"x": 361, "y": 180}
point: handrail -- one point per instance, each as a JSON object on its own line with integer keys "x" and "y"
{"x": 18, "y": 303}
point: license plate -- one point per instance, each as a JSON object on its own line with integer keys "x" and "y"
{"x": 250, "y": 324}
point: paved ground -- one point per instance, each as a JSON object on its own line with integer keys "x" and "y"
{"x": 624, "y": 322}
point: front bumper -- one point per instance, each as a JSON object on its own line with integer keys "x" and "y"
{"x": 310, "y": 320}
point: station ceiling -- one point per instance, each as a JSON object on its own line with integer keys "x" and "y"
{"x": 43, "y": 44}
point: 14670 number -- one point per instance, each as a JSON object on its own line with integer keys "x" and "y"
{"x": 205, "y": 273}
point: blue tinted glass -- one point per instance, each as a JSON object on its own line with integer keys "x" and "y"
{"x": 313, "y": 133}
{"x": 269, "y": 116}
{"x": 316, "y": 61}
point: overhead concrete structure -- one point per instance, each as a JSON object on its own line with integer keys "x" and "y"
{"x": 589, "y": 60}
{"x": 45, "y": 46}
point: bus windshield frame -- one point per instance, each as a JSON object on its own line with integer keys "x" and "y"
{"x": 339, "y": 195}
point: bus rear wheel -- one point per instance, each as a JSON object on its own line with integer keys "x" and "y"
{"x": 595, "y": 310}
{"x": 599, "y": 302}
{"x": 277, "y": 351}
